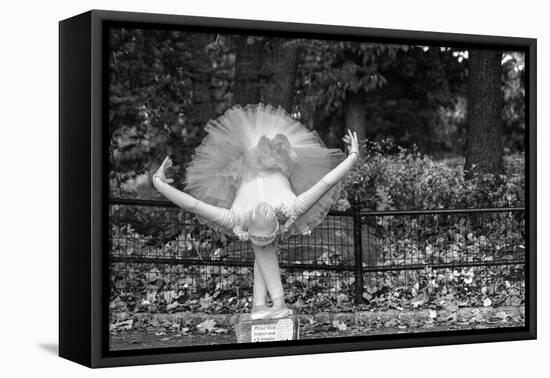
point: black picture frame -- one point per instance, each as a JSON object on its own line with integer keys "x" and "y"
{"x": 83, "y": 196}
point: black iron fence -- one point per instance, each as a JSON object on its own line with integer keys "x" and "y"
{"x": 353, "y": 254}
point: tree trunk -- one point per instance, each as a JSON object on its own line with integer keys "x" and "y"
{"x": 355, "y": 113}
{"x": 484, "y": 139}
{"x": 281, "y": 69}
{"x": 248, "y": 68}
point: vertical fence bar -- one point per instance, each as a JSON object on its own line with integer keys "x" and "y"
{"x": 357, "y": 244}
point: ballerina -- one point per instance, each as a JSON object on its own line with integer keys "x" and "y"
{"x": 260, "y": 175}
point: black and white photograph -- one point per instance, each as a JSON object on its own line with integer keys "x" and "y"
{"x": 267, "y": 188}
{"x": 249, "y": 189}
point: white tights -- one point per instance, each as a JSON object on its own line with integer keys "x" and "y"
{"x": 267, "y": 277}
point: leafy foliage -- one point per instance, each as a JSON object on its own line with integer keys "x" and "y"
{"x": 395, "y": 178}
{"x": 144, "y": 288}
{"x": 165, "y": 85}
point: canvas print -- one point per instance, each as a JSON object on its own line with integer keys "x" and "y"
{"x": 266, "y": 189}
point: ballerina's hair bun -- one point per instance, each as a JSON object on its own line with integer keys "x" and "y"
{"x": 263, "y": 224}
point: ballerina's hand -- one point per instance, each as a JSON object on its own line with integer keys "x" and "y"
{"x": 283, "y": 212}
{"x": 161, "y": 172}
{"x": 242, "y": 235}
{"x": 351, "y": 139}
{"x": 290, "y": 219}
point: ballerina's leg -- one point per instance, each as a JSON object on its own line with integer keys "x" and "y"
{"x": 259, "y": 295}
{"x": 269, "y": 268}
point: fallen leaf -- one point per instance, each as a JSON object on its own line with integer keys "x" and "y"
{"x": 207, "y": 325}
{"x": 124, "y": 325}
{"x": 341, "y": 298}
{"x": 341, "y": 326}
{"x": 172, "y": 306}
{"x": 515, "y": 301}
{"x": 391, "y": 323}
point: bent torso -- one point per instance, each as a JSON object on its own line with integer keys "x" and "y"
{"x": 269, "y": 186}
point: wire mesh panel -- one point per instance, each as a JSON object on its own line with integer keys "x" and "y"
{"x": 471, "y": 256}
{"x": 329, "y": 244}
{"x": 444, "y": 238}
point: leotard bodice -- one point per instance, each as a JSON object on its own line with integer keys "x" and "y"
{"x": 268, "y": 186}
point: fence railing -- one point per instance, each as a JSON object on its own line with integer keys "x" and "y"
{"x": 351, "y": 248}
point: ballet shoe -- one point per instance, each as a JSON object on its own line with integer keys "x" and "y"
{"x": 260, "y": 312}
{"x": 279, "y": 312}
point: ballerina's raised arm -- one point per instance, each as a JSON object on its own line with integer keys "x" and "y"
{"x": 306, "y": 200}
{"x": 218, "y": 215}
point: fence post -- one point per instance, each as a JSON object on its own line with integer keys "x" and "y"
{"x": 357, "y": 243}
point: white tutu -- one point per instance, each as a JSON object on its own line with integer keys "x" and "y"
{"x": 249, "y": 139}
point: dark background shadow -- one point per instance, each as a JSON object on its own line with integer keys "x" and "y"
{"x": 50, "y": 347}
